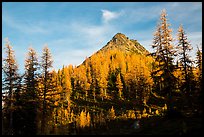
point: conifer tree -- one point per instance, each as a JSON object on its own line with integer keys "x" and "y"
{"x": 158, "y": 56}
{"x": 111, "y": 114}
{"x": 10, "y": 85}
{"x": 88, "y": 78}
{"x": 66, "y": 85}
{"x": 119, "y": 85}
{"x": 18, "y": 115}
{"x": 31, "y": 91}
{"x": 183, "y": 48}
{"x": 46, "y": 64}
{"x": 199, "y": 66}
{"x": 164, "y": 55}
{"x": 82, "y": 119}
{"x": 103, "y": 82}
{"x": 88, "y": 119}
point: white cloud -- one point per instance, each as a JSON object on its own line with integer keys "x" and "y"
{"x": 109, "y": 15}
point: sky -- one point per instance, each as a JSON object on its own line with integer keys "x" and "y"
{"x": 76, "y": 30}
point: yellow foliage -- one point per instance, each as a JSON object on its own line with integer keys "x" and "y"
{"x": 56, "y": 103}
{"x": 111, "y": 114}
{"x": 131, "y": 114}
{"x": 88, "y": 119}
{"x": 150, "y": 111}
{"x": 82, "y": 119}
{"x": 144, "y": 115}
{"x": 139, "y": 116}
{"x": 157, "y": 112}
{"x": 144, "y": 111}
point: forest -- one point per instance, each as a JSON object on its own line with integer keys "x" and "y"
{"x": 121, "y": 89}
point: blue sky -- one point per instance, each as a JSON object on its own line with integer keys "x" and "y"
{"x": 76, "y": 30}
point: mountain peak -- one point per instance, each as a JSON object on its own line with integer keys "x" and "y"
{"x": 119, "y": 35}
{"x": 122, "y": 42}
{"x": 119, "y": 39}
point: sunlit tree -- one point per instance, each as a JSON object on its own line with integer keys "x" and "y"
{"x": 111, "y": 114}
{"x": 46, "y": 64}
{"x": 199, "y": 66}
{"x": 119, "y": 85}
{"x": 31, "y": 91}
{"x": 164, "y": 54}
{"x": 183, "y": 50}
{"x": 10, "y": 85}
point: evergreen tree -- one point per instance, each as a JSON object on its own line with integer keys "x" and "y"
{"x": 111, "y": 114}
{"x": 199, "y": 75}
{"x": 31, "y": 95}
{"x": 119, "y": 85}
{"x": 199, "y": 66}
{"x": 183, "y": 48}
{"x": 164, "y": 55}
{"x": 65, "y": 92}
{"x": 82, "y": 119}
{"x": 19, "y": 114}
{"x": 66, "y": 85}
{"x": 10, "y": 85}
{"x": 103, "y": 82}
{"x": 112, "y": 84}
{"x": 158, "y": 56}
{"x": 46, "y": 64}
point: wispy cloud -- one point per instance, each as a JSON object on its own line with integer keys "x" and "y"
{"x": 109, "y": 15}
{"x": 24, "y": 26}
{"x": 84, "y": 39}
{"x": 74, "y": 57}
{"x": 195, "y": 39}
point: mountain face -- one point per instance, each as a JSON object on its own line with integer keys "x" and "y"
{"x": 120, "y": 41}
{"x": 119, "y": 70}
{"x": 123, "y": 44}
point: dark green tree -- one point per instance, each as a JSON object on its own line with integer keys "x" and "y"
{"x": 164, "y": 55}
{"x": 46, "y": 64}
{"x": 10, "y": 83}
{"x": 186, "y": 63}
{"x": 199, "y": 86}
{"x": 199, "y": 66}
{"x": 31, "y": 99}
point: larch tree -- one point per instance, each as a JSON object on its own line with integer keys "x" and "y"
{"x": 186, "y": 63}
{"x": 18, "y": 114}
{"x": 103, "y": 81}
{"x": 10, "y": 85}
{"x": 82, "y": 119}
{"x": 66, "y": 85}
{"x": 65, "y": 94}
{"x": 88, "y": 78}
{"x": 164, "y": 54}
{"x": 46, "y": 64}
{"x": 199, "y": 85}
{"x": 31, "y": 91}
{"x": 157, "y": 45}
{"x": 55, "y": 99}
{"x": 119, "y": 85}
{"x": 111, "y": 114}
{"x": 88, "y": 119}
{"x": 93, "y": 79}
{"x": 199, "y": 68}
